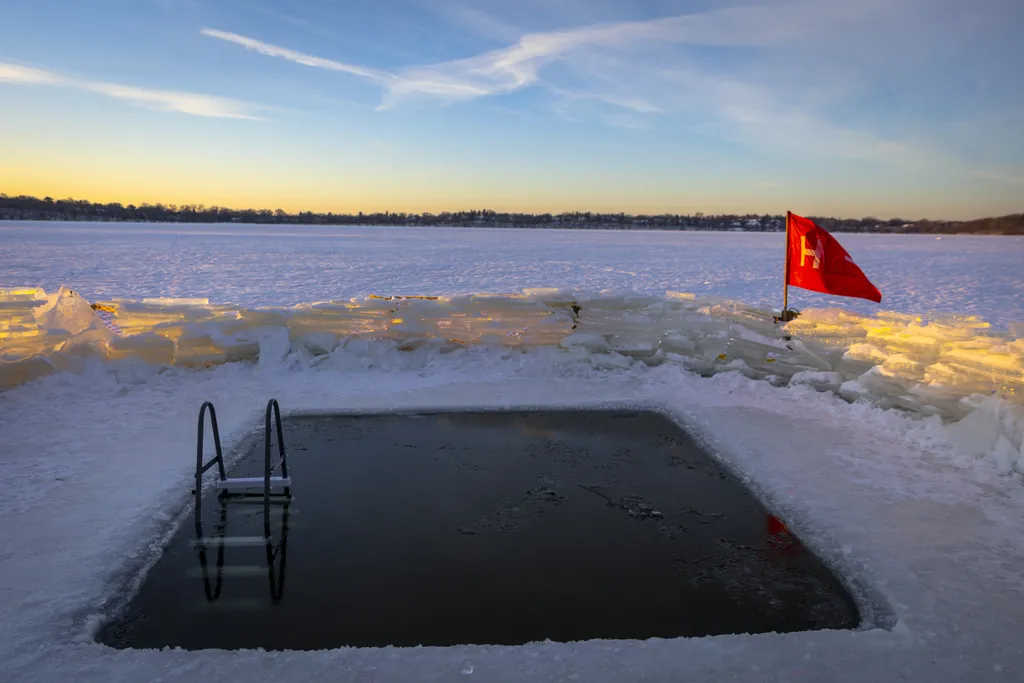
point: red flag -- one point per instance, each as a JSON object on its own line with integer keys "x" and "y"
{"x": 816, "y": 261}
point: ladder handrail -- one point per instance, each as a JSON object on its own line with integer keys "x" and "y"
{"x": 202, "y": 467}
{"x": 213, "y": 592}
{"x": 273, "y": 553}
{"x": 273, "y": 409}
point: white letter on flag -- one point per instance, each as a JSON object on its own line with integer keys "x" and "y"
{"x": 817, "y": 253}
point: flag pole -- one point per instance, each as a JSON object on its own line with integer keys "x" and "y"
{"x": 785, "y": 278}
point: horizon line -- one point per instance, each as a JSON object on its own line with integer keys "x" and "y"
{"x": 694, "y": 214}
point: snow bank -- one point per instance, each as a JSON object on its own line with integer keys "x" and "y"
{"x": 102, "y": 463}
{"x": 957, "y": 369}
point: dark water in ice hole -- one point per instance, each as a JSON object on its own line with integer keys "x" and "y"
{"x": 485, "y": 528}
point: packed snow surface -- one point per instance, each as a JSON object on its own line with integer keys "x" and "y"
{"x": 890, "y": 442}
{"x": 100, "y": 465}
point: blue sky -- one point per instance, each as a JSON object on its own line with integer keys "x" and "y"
{"x": 873, "y": 107}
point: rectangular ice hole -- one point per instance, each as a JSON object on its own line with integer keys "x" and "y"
{"x": 484, "y": 528}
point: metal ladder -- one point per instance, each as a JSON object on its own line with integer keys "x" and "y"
{"x": 276, "y": 555}
{"x": 275, "y": 489}
{"x": 243, "y": 486}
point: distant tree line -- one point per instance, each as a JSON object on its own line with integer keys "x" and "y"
{"x": 48, "y": 209}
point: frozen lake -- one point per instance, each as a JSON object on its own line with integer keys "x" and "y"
{"x": 920, "y": 515}
{"x": 283, "y": 265}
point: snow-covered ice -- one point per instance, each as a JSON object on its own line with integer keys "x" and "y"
{"x": 275, "y": 265}
{"x": 891, "y": 443}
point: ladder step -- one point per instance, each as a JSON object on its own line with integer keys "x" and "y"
{"x": 236, "y": 571}
{"x": 276, "y": 499}
{"x": 228, "y": 541}
{"x": 250, "y": 483}
{"x": 228, "y": 604}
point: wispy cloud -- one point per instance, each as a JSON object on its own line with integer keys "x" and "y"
{"x": 519, "y": 65}
{"x": 297, "y": 57}
{"x": 195, "y": 104}
{"x": 15, "y": 73}
{"x": 169, "y": 100}
{"x": 627, "y": 122}
{"x": 178, "y": 5}
{"x": 754, "y": 116}
{"x": 470, "y": 16}
{"x": 1011, "y": 176}
{"x": 652, "y": 67}
{"x": 297, "y": 22}
{"x": 625, "y": 102}
{"x": 743, "y": 113}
